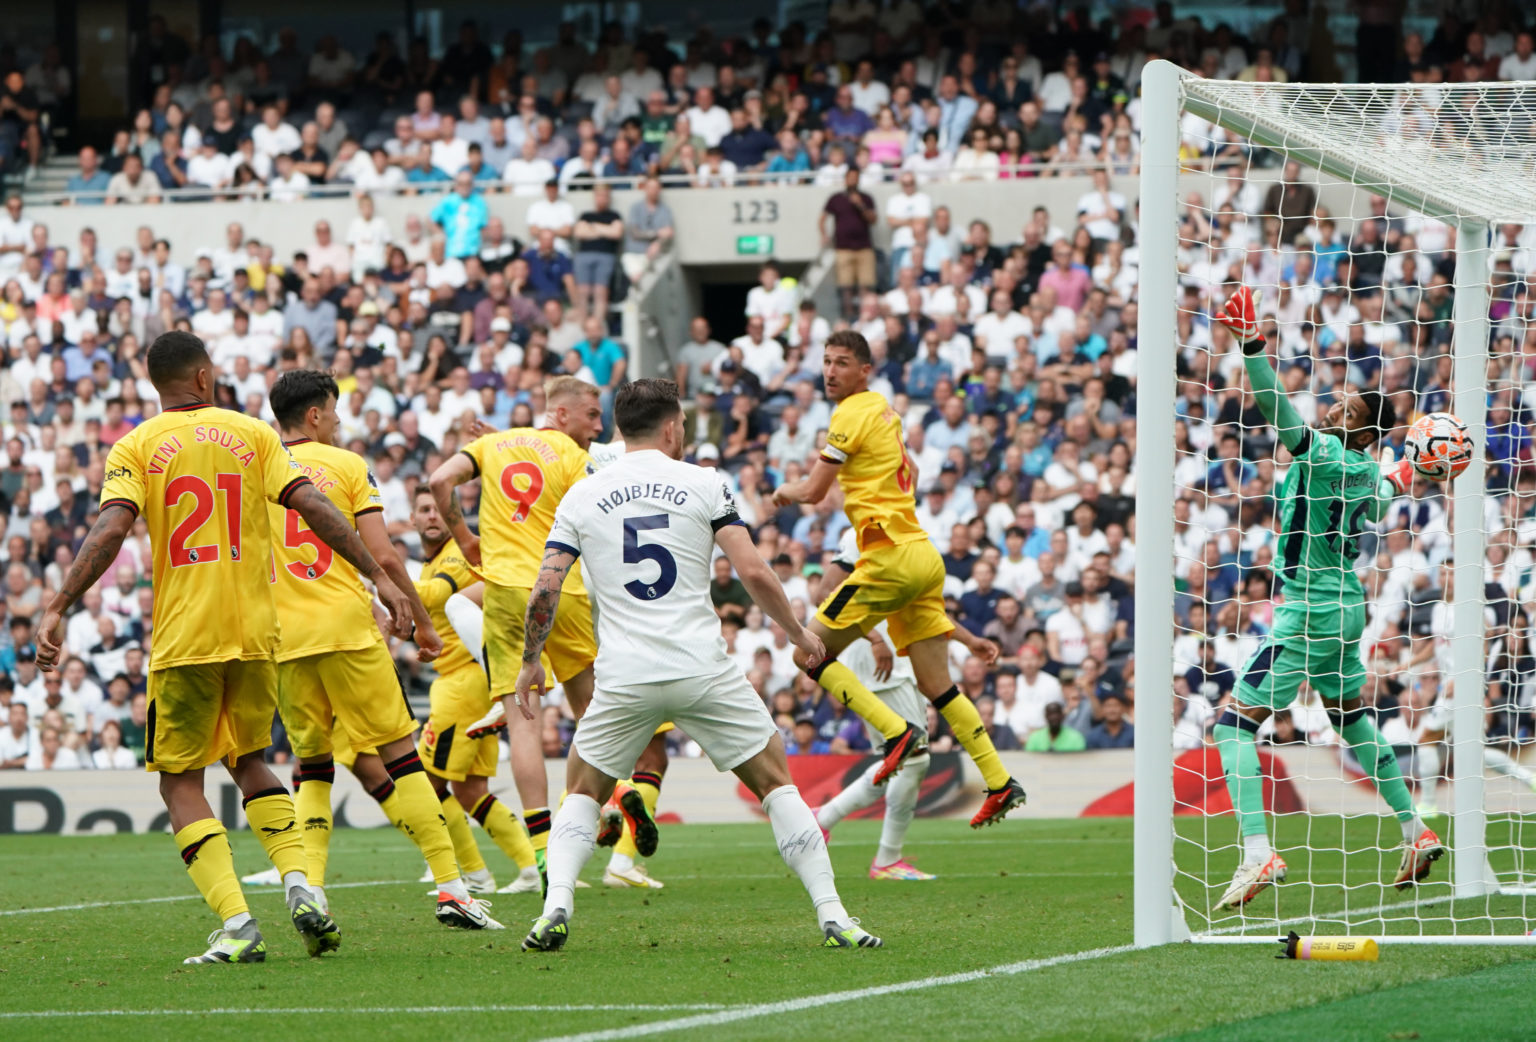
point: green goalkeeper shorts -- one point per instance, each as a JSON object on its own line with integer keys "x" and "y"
{"x": 1315, "y": 643}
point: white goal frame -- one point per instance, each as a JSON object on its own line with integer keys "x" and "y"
{"x": 1471, "y": 205}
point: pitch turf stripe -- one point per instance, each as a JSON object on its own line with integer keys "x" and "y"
{"x": 369, "y": 1011}
{"x": 182, "y": 897}
{"x": 768, "y": 1009}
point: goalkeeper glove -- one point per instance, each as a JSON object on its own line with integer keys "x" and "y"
{"x": 1400, "y": 474}
{"x": 1240, "y": 314}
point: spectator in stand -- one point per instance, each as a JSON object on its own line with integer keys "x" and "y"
{"x": 707, "y": 119}
{"x": 852, "y": 215}
{"x": 132, "y": 184}
{"x": 1055, "y": 736}
{"x": 597, "y": 236}
{"x": 462, "y": 214}
{"x": 648, "y": 231}
{"x": 88, "y": 185}
{"x": 1115, "y": 732}
{"x": 550, "y": 274}
{"x": 746, "y": 146}
{"x": 20, "y": 112}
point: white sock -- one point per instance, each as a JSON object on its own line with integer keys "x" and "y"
{"x": 1500, "y": 761}
{"x": 1412, "y": 828}
{"x": 620, "y": 862}
{"x": 293, "y": 879}
{"x": 1256, "y": 848}
{"x": 901, "y": 794}
{"x": 482, "y": 875}
{"x": 805, "y": 852}
{"x": 860, "y": 793}
{"x": 572, "y": 838}
{"x": 454, "y": 889}
{"x": 234, "y": 922}
{"x": 468, "y": 622}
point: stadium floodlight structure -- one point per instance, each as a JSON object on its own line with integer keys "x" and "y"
{"x": 1455, "y": 165}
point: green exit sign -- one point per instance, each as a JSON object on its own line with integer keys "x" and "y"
{"x": 754, "y": 245}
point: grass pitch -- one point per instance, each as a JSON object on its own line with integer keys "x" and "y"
{"x": 93, "y": 930}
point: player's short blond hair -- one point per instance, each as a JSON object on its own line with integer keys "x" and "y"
{"x": 568, "y": 387}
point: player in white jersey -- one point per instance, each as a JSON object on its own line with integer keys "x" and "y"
{"x": 892, "y": 678}
{"x": 645, "y": 531}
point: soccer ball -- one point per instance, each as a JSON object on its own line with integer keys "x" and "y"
{"x": 1438, "y": 446}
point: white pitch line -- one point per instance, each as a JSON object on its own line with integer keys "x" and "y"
{"x": 373, "y": 1010}
{"x": 179, "y": 897}
{"x": 767, "y": 1009}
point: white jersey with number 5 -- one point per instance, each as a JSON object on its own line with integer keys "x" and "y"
{"x": 644, "y": 530}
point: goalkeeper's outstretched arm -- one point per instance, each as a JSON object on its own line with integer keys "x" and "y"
{"x": 1240, "y": 315}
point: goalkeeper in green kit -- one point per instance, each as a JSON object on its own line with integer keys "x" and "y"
{"x": 1332, "y": 489}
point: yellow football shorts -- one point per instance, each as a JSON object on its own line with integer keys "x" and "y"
{"x": 201, "y": 714}
{"x": 341, "y": 747}
{"x": 902, "y": 584}
{"x": 458, "y": 700}
{"x": 358, "y": 689}
{"x": 571, "y": 648}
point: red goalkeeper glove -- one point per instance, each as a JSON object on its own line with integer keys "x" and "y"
{"x": 1401, "y": 473}
{"x": 1241, "y": 315}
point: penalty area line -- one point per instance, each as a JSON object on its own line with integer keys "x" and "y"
{"x": 768, "y": 1009}
{"x": 369, "y": 1011}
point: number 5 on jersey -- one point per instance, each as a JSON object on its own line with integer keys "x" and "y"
{"x": 636, "y": 552}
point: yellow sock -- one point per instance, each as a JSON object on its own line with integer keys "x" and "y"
{"x": 205, "y": 848}
{"x": 504, "y": 830}
{"x": 648, "y": 785}
{"x": 960, "y": 712}
{"x": 312, "y": 805}
{"x": 270, "y": 815}
{"x": 536, "y": 820}
{"x": 465, "y": 850}
{"x": 414, "y": 805}
{"x": 838, "y": 680}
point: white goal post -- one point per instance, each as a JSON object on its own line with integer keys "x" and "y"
{"x": 1458, "y": 161}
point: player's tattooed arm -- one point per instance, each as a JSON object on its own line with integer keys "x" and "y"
{"x": 543, "y": 601}
{"x": 332, "y": 526}
{"x": 95, "y": 555}
{"x": 91, "y": 562}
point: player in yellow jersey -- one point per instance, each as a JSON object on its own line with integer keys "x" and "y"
{"x": 524, "y": 473}
{"x": 202, "y": 478}
{"x": 899, "y": 576}
{"x": 460, "y": 696}
{"x": 333, "y": 663}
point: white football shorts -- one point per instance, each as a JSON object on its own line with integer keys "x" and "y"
{"x": 721, "y": 712}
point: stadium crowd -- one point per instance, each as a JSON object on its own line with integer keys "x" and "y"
{"x": 1010, "y": 351}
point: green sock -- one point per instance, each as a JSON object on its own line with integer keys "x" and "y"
{"x": 1377, "y": 759}
{"x": 1240, "y": 763}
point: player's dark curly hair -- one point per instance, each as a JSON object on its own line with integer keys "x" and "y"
{"x": 175, "y": 356}
{"x": 299, "y": 390}
{"x": 1379, "y": 408}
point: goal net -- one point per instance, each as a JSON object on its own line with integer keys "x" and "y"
{"x": 1390, "y": 234}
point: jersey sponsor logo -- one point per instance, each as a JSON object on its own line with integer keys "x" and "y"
{"x": 118, "y": 472}
{"x": 653, "y": 491}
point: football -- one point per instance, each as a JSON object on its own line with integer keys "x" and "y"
{"x": 1438, "y": 446}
